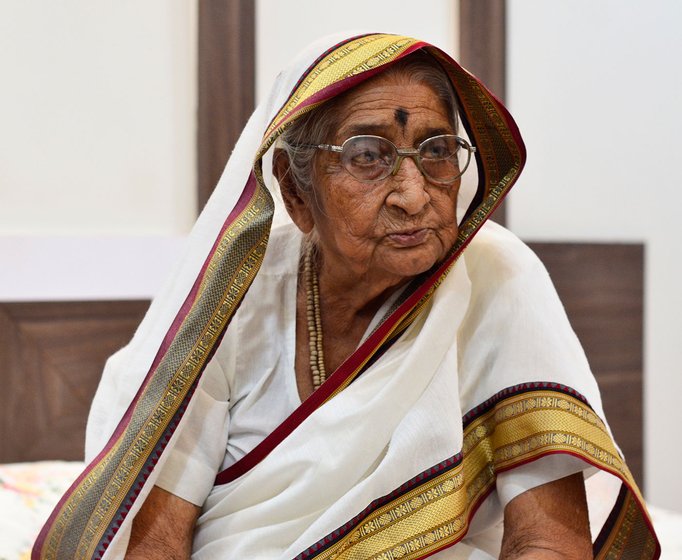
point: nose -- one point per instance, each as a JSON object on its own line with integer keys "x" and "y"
{"x": 409, "y": 188}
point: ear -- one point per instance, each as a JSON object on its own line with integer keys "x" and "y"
{"x": 296, "y": 202}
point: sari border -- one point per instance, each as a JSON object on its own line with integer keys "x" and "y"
{"x": 617, "y": 528}
{"x": 422, "y": 478}
{"x": 515, "y": 390}
{"x": 620, "y": 524}
{"x": 393, "y": 49}
{"x": 242, "y": 207}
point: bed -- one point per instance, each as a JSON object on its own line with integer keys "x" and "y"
{"x": 53, "y": 353}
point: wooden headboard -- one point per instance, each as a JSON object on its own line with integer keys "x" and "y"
{"x": 52, "y": 354}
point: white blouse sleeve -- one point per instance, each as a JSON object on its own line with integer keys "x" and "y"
{"x": 547, "y": 469}
{"x": 190, "y": 467}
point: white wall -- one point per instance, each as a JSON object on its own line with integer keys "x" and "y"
{"x": 596, "y": 90}
{"x": 97, "y": 111}
{"x": 97, "y": 137}
{"x": 284, "y": 28}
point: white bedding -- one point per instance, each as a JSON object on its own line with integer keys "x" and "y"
{"x": 29, "y": 491}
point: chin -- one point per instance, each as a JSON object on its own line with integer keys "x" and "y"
{"x": 410, "y": 266}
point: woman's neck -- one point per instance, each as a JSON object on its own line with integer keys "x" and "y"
{"x": 350, "y": 295}
{"x": 347, "y": 307}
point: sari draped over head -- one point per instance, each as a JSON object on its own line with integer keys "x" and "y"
{"x": 472, "y": 374}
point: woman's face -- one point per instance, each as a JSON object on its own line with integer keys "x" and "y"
{"x": 403, "y": 225}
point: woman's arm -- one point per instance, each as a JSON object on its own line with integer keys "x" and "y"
{"x": 548, "y": 522}
{"x": 163, "y": 528}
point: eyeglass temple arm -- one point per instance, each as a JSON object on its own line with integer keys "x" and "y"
{"x": 330, "y": 147}
{"x": 466, "y": 145}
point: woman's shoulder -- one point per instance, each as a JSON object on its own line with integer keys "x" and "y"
{"x": 497, "y": 252}
{"x": 504, "y": 272}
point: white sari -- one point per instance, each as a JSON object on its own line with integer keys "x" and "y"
{"x": 399, "y": 454}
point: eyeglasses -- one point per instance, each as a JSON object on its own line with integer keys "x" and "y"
{"x": 442, "y": 159}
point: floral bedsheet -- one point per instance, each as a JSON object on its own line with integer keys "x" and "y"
{"x": 28, "y": 493}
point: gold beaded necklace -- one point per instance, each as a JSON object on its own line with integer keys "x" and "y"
{"x": 315, "y": 342}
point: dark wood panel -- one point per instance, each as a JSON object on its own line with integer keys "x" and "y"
{"x": 483, "y": 51}
{"x": 226, "y": 69}
{"x": 52, "y": 357}
{"x": 602, "y": 287}
{"x": 482, "y": 41}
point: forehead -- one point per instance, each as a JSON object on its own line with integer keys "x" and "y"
{"x": 391, "y": 104}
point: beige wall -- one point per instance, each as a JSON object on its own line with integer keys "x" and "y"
{"x": 97, "y": 109}
{"x": 596, "y": 89}
{"x": 97, "y": 146}
{"x": 284, "y": 28}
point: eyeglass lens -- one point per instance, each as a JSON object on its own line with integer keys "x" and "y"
{"x": 442, "y": 159}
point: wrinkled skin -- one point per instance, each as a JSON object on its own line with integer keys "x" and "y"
{"x": 371, "y": 237}
{"x": 378, "y": 235}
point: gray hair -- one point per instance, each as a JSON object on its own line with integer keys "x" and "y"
{"x": 317, "y": 127}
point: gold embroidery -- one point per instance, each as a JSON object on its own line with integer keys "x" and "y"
{"x": 165, "y": 409}
{"x": 355, "y": 57}
{"x": 150, "y": 434}
{"x": 156, "y": 415}
{"x": 70, "y": 508}
{"x": 441, "y": 507}
{"x": 259, "y": 204}
{"x": 437, "y": 513}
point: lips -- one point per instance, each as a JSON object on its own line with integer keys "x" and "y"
{"x": 409, "y": 238}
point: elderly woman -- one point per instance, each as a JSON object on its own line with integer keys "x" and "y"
{"x": 399, "y": 380}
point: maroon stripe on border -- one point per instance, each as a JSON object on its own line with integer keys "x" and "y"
{"x": 243, "y": 201}
{"x": 610, "y": 523}
{"x": 322, "y": 56}
{"x": 519, "y": 389}
{"x": 506, "y": 115}
{"x": 347, "y": 368}
{"x": 241, "y": 204}
{"x": 421, "y": 478}
{"x": 313, "y": 65}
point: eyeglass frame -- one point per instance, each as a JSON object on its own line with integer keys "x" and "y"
{"x": 401, "y": 154}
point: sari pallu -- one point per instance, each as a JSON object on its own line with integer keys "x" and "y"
{"x": 147, "y": 388}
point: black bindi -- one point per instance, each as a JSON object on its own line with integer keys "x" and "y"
{"x": 401, "y": 116}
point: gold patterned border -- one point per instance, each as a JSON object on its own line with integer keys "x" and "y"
{"x": 436, "y": 513}
{"x": 91, "y": 510}
{"x": 350, "y": 59}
